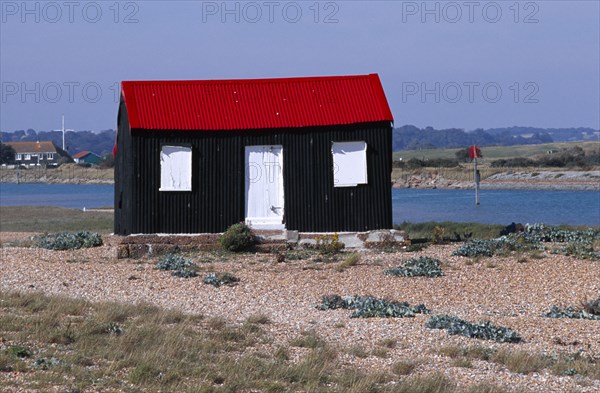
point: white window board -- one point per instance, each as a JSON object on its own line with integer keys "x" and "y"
{"x": 176, "y": 168}
{"x": 349, "y": 163}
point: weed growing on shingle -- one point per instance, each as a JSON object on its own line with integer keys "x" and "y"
{"x": 591, "y": 306}
{"x": 308, "y": 339}
{"x": 590, "y": 310}
{"x": 388, "y": 343}
{"x": 19, "y": 351}
{"x": 500, "y": 246}
{"x": 576, "y": 364}
{"x": 299, "y": 255}
{"x": 420, "y": 266}
{"x": 484, "y": 330}
{"x": 579, "y": 243}
{"x": 549, "y": 234}
{"x": 436, "y": 382}
{"x": 405, "y": 367}
{"x": 329, "y": 244}
{"x": 258, "y": 319}
{"x": 178, "y": 266}
{"x": 218, "y": 279}
{"x": 579, "y": 250}
{"x": 485, "y": 387}
{"x": 380, "y": 352}
{"x": 470, "y": 353}
{"x": 462, "y": 363}
{"x": 351, "y": 260}
{"x": 358, "y": 350}
{"x": 521, "y": 362}
{"x": 68, "y": 240}
{"x": 416, "y": 247}
{"x": 371, "y": 307}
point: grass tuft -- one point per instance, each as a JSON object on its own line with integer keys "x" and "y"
{"x": 432, "y": 383}
{"x": 520, "y": 361}
{"x": 308, "y": 339}
{"x": 350, "y": 261}
{"x": 405, "y": 367}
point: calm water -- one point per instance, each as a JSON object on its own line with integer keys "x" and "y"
{"x": 497, "y": 206}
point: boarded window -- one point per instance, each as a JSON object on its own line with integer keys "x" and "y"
{"x": 176, "y": 168}
{"x": 349, "y": 163}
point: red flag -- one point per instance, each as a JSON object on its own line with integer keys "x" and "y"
{"x": 474, "y": 152}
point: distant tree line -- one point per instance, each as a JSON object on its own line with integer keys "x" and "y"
{"x": 407, "y": 137}
{"x": 574, "y": 157}
{"x": 413, "y": 138}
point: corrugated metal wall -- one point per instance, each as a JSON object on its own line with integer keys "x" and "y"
{"x": 312, "y": 204}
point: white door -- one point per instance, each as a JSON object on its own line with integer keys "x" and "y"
{"x": 264, "y": 187}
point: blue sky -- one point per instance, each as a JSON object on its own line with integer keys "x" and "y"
{"x": 443, "y": 64}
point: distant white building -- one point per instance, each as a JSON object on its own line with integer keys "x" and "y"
{"x": 37, "y": 153}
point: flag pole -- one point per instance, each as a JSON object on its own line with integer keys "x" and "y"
{"x": 477, "y": 177}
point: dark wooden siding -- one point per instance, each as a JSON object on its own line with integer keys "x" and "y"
{"x": 124, "y": 203}
{"x": 216, "y": 201}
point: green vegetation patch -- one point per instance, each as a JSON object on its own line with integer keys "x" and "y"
{"x": 500, "y": 246}
{"x": 452, "y": 230}
{"x": 545, "y": 233}
{"x": 590, "y": 309}
{"x": 329, "y": 244}
{"x": 218, "y": 279}
{"x": 19, "y": 351}
{"x": 484, "y": 330}
{"x": 237, "y": 238}
{"x": 178, "y": 266}
{"x": 420, "y": 266}
{"x": 68, "y": 240}
{"x": 570, "y": 312}
{"x": 579, "y": 242}
{"x": 371, "y": 307}
{"x": 579, "y": 250}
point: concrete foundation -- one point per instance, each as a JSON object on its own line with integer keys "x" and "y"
{"x": 138, "y": 246}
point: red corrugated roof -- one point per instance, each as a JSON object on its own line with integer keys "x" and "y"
{"x": 255, "y": 103}
{"x": 81, "y": 154}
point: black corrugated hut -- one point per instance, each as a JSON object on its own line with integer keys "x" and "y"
{"x": 308, "y": 154}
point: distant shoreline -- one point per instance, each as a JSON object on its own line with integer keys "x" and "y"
{"x": 567, "y": 180}
{"x": 512, "y": 186}
{"x": 523, "y": 180}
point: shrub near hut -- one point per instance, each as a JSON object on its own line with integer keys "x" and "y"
{"x": 238, "y": 237}
{"x": 68, "y": 240}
